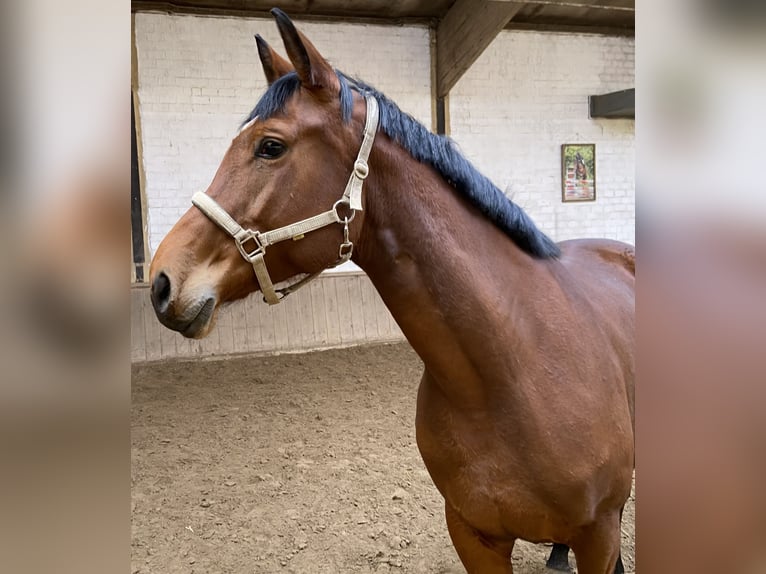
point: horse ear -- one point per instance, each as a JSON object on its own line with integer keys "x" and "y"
{"x": 313, "y": 70}
{"x": 274, "y": 65}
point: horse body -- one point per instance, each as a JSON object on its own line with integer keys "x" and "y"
{"x": 525, "y": 409}
{"x": 516, "y": 431}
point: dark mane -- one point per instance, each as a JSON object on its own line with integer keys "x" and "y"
{"x": 437, "y": 151}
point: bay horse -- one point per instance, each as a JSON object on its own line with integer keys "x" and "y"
{"x": 525, "y": 415}
{"x": 581, "y": 170}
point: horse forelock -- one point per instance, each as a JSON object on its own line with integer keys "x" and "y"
{"x": 426, "y": 147}
{"x": 275, "y": 98}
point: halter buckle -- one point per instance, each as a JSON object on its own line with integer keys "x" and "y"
{"x": 249, "y": 235}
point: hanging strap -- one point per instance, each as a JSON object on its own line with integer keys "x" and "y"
{"x": 353, "y": 191}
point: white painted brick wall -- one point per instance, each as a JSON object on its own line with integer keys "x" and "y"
{"x": 525, "y": 96}
{"x": 199, "y": 77}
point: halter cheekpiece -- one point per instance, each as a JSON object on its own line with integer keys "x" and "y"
{"x": 252, "y": 244}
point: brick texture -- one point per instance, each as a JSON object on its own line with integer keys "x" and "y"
{"x": 525, "y": 96}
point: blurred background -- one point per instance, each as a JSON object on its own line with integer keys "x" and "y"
{"x": 701, "y": 233}
{"x": 64, "y": 334}
{"x": 66, "y": 260}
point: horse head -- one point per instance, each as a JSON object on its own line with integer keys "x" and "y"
{"x": 287, "y": 165}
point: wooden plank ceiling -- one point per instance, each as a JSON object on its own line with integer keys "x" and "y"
{"x": 464, "y": 28}
{"x": 607, "y": 16}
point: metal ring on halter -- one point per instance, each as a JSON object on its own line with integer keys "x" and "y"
{"x": 346, "y": 219}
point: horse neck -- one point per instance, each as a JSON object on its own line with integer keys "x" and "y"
{"x": 441, "y": 268}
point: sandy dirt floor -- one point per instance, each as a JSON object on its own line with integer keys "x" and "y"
{"x": 292, "y": 463}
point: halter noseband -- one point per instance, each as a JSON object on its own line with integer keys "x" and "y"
{"x": 252, "y": 244}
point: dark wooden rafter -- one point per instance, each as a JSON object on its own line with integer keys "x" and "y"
{"x": 626, "y": 5}
{"x": 464, "y": 33}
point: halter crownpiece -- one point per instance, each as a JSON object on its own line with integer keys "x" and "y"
{"x": 252, "y": 244}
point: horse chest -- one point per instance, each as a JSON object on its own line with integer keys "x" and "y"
{"x": 481, "y": 482}
{"x": 494, "y": 498}
{"x": 498, "y": 486}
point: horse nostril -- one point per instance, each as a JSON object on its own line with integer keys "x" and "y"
{"x": 161, "y": 293}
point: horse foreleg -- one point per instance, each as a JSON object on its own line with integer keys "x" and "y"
{"x": 559, "y": 560}
{"x": 597, "y": 547}
{"x": 477, "y": 555}
{"x": 619, "y": 568}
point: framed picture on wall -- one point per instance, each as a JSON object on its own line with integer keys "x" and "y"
{"x": 578, "y": 172}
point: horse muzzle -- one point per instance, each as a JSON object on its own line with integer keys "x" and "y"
{"x": 190, "y": 316}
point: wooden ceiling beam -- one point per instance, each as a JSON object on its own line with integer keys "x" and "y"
{"x": 603, "y": 30}
{"x": 591, "y": 4}
{"x": 464, "y": 33}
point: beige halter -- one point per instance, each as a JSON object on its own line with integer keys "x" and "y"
{"x": 351, "y": 199}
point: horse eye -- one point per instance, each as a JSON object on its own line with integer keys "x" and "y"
{"x": 270, "y": 149}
